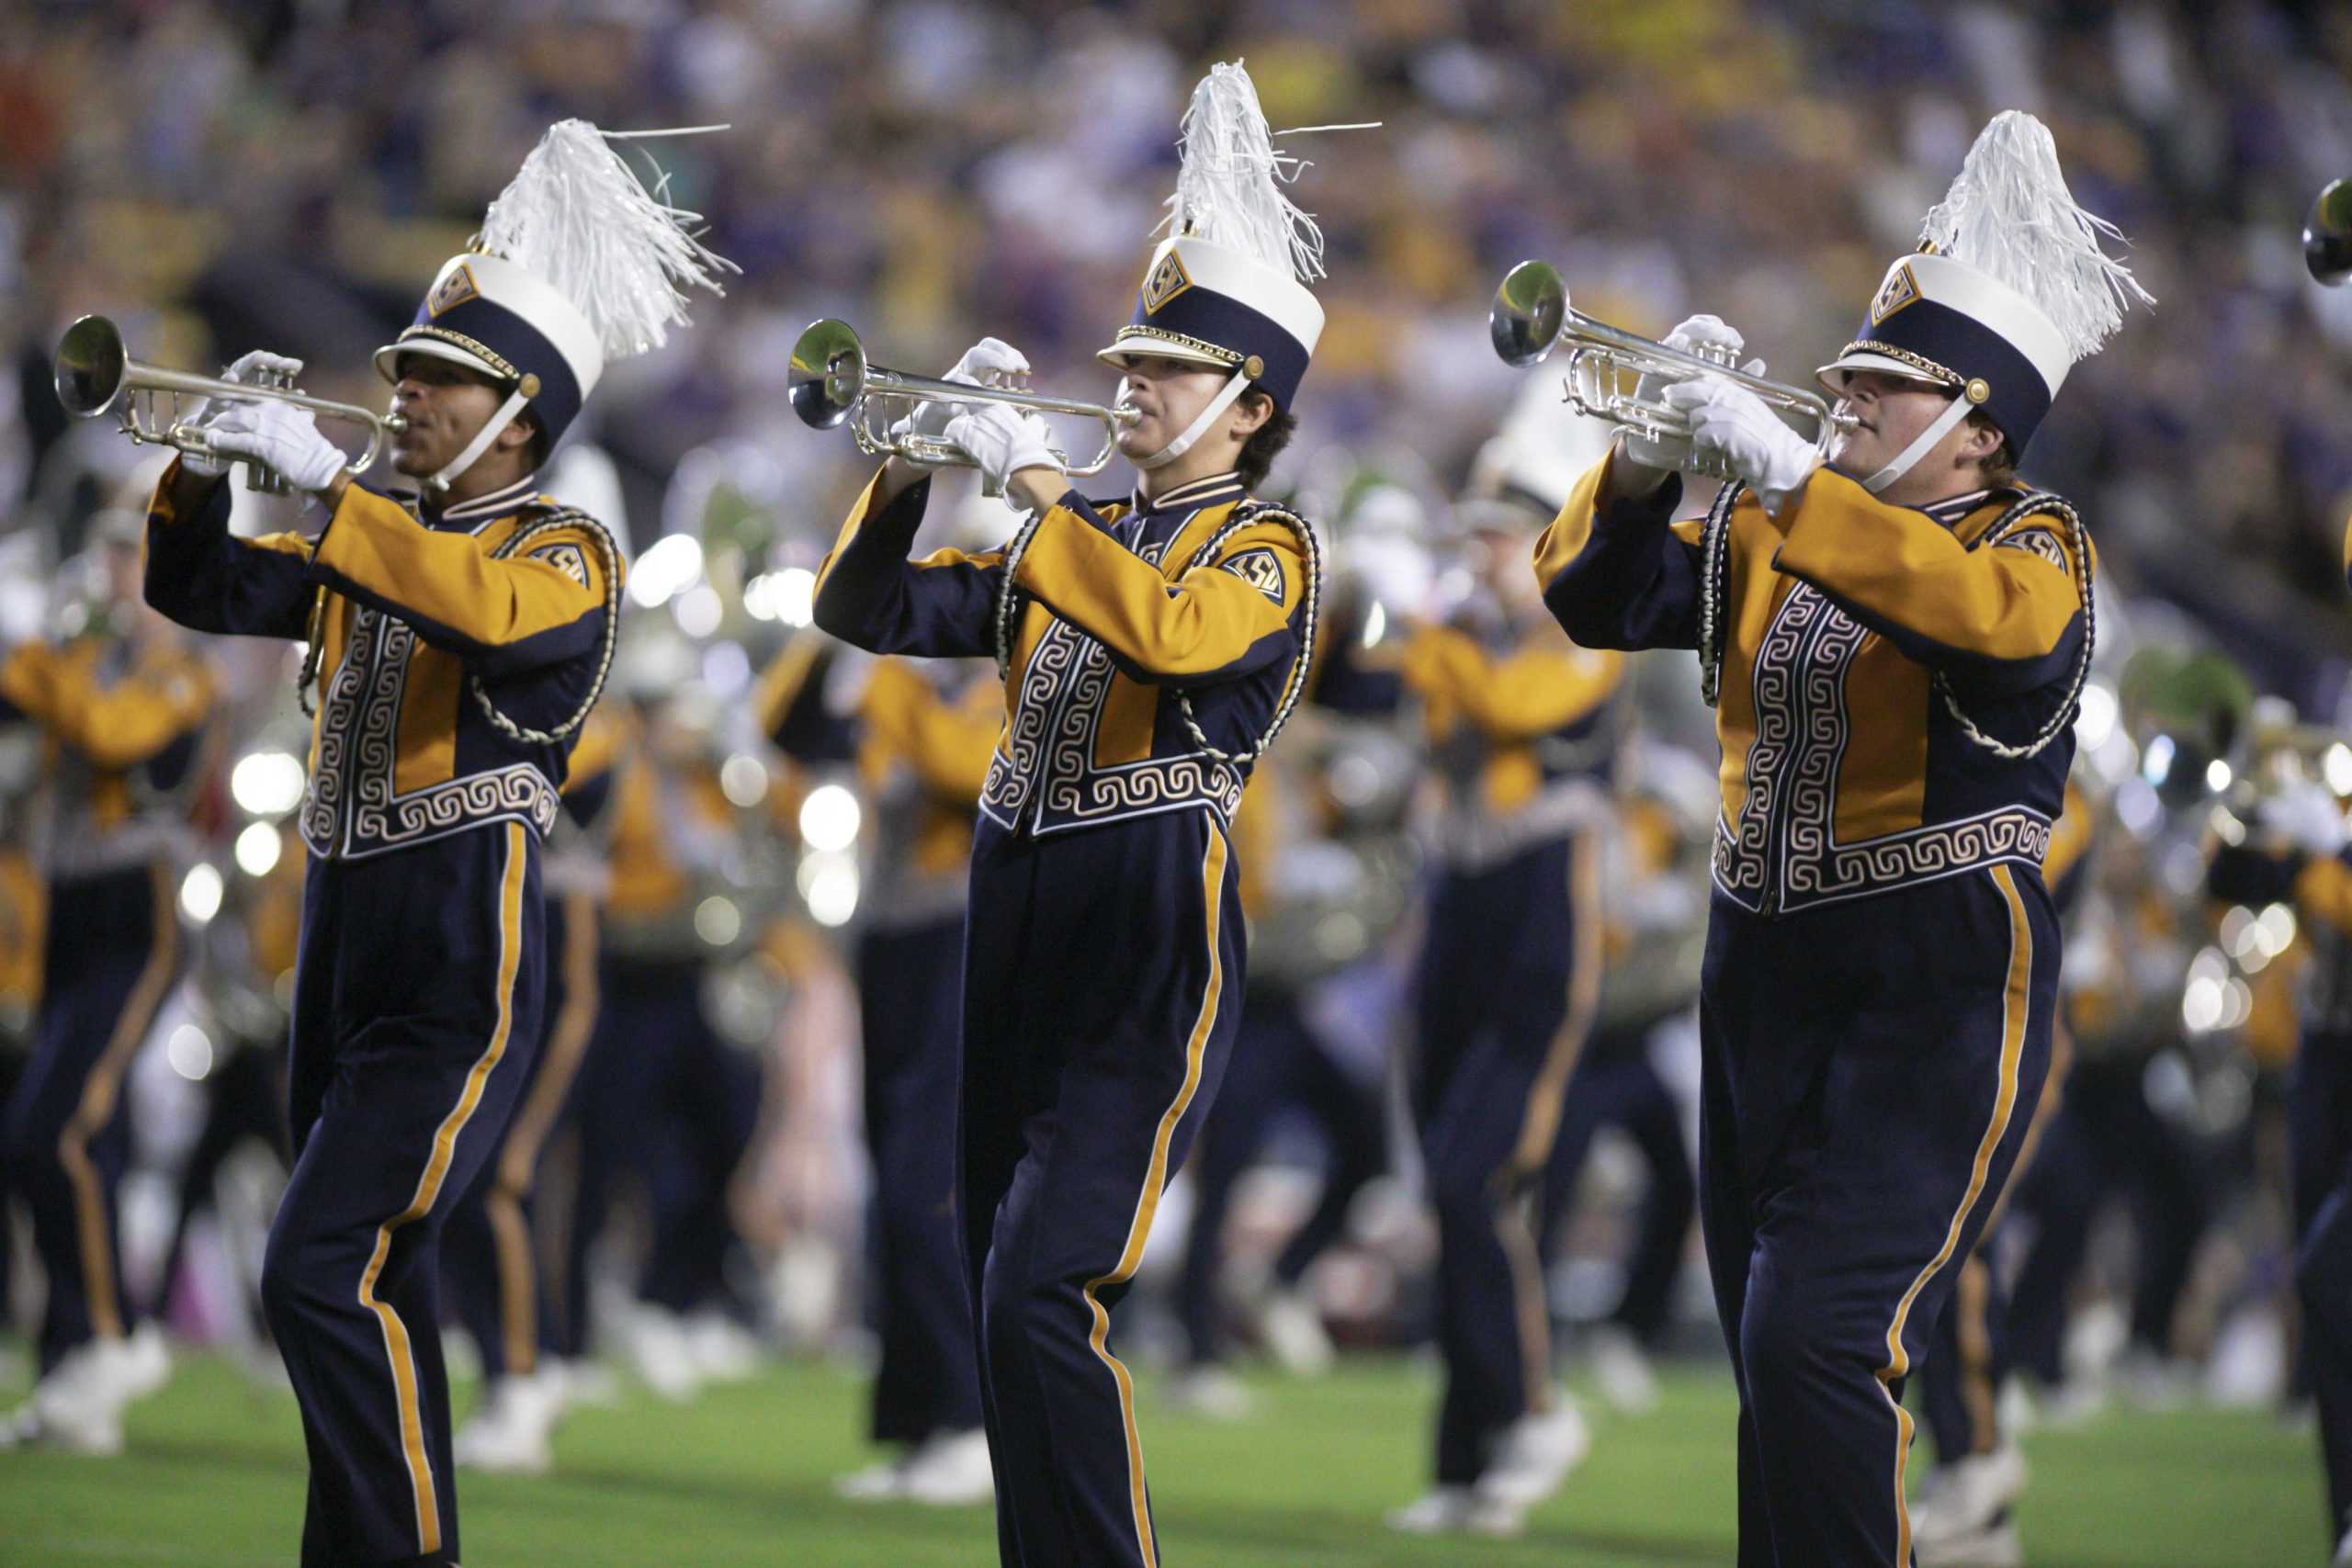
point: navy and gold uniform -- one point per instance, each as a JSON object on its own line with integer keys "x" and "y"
{"x": 419, "y": 988}
{"x": 121, "y": 721}
{"x": 1880, "y": 975}
{"x": 1103, "y": 951}
{"x": 1519, "y": 731}
{"x": 921, "y": 737}
{"x": 490, "y": 1255}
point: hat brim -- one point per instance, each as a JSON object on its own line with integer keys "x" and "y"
{"x": 1833, "y": 375}
{"x": 1134, "y": 343}
{"x": 387, "y": 358}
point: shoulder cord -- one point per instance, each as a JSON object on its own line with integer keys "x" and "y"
{"x": 2040, "y": 503}
{"x": 306, "y": 683}
{"x": 1713, "y": 558}
{"x": 1243, "y": 517}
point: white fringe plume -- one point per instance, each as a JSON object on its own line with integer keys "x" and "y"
{"x": 2010, "y": 216}
{"x": 1228, "y": 189}
{"x": 579, "y": 218}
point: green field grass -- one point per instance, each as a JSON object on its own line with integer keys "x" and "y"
{"x": 214, "y": 1474}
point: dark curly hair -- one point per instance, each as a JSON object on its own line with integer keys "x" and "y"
{"x": 1265, "y": 444}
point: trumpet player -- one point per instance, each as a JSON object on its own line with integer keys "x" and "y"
{"x": 1898, "y": 637}
{"x": 122, "y": 704}
{"x": 418, "y": 992}
{"x": 1150, "y": 647}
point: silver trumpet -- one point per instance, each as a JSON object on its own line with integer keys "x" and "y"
{"x": 97, "y": 376}
{"x": 1532, "y": 316}
{"x": 831, "y": 381}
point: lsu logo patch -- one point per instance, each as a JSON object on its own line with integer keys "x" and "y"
{"x": 2043, "y": 543}
{"x": 1167, "y": 280}
{"x": 455, "y": 287}
{"x": 1899, "y": 290}
{"x": 567, "y": 560}
{"x": 1261, "y": 569}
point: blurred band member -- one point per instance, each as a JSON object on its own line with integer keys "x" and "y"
{"x": 1521, "y": 726}
{"x": 419, "y": 992}
{"x": 920, "y": 735}
{"x": 1154, "y": 646}
{"x": 1898, "y": 639}
{"x": 121, "y": 706}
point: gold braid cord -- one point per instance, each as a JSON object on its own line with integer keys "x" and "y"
{"x": 609, "y": 552}
{"x": 1715, "y": 559}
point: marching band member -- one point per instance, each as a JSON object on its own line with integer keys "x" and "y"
{"x": 2299, "y": 856}
{"x": 920, "y": 735}
{"x": 1150, "y": 648}
{"x": 1522, "y": 728}
{"x": 461, "y": 634}
{"x": 1882, "y": 964}
{"x": 122, "y": 705}
{"x": 490, "y": 1255}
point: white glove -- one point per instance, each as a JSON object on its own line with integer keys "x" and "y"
{"x": 1694, "y": 336}
{"x": 2306, "y": 815}
{"x": 1003, "y": 441}
{"x": 281, "y": 437}
{"x": 249, "y": 370}
{"x": 1772, "y": 458}
{"x": 988, "y": 363}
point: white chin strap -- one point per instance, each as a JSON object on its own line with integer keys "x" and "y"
{"x": 1961, "y": 409}
{"x": 440, "y": 483}
{"x": 1199, "y": 427}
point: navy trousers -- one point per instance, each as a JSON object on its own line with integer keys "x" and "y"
{"x": 112, "y": 954}
{"x": 2320, "y": 1132}
{"x": 417, "y": 1002}
{"x": 1869, "y": 1072}
{"x": 490, "y": 1258}
{"x": 1278, "y": 1068}
{"x": 1103, "y": 974}
{"x": 1508, "y": 977}
{"x": 1614, "y": 1086}
{"x": 910, "y": 984}
{"x": 662, "y": 1099}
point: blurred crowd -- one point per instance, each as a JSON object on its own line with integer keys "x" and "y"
{"x": 219, "y": 177}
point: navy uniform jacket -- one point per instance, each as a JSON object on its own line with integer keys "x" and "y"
{"x": 401, "y": 752}
{"x": 120, "y": 730}
{"x": 1113, "y": 621}
{"x": 1844, "y": 774}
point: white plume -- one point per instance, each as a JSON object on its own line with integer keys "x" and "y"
{"x": 1229, "y": 188}
{"x": 2010, "y": 216}
{"x": 578, "y": 216}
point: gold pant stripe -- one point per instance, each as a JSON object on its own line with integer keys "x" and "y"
{"x": 397, "y": 1348}
{"x": 1541, "y": 1125}
{"x": 99, "y": 1093}
{"x": 2015, "y": 1007}
{"x": 1148, "y": 1200}
{"x": 512, "y": 1182}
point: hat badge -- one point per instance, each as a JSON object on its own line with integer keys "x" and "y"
{"x": 457, "y": 287}
{"x": 1899, "y": 290}
{"x": 1167, "y": 280}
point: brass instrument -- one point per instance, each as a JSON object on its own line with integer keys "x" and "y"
{"x": 97, "y": 376}
{"x": 831, "y": 381}
{"x": 1532, "y": 316}
{"x": 2327, "y": 234}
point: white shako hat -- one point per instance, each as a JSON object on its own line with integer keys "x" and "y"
{"x": 577, "y": 263}
{"x": 1523, "y": 474}
{"x": 2008, "y": 289}
{"x": 1227, "y": 287}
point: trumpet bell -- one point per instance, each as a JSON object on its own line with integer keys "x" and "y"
{"x": 1529, "y": 309}
{"x": 91, "y": 363}
{"x": 2327, "y": 234}
{"x": 827, "y": 374}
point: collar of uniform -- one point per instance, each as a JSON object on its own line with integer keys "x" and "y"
{"x": 1207, "y": 491}
{"x": 1954, "y": 510}
{"x": 497, "y": 504}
